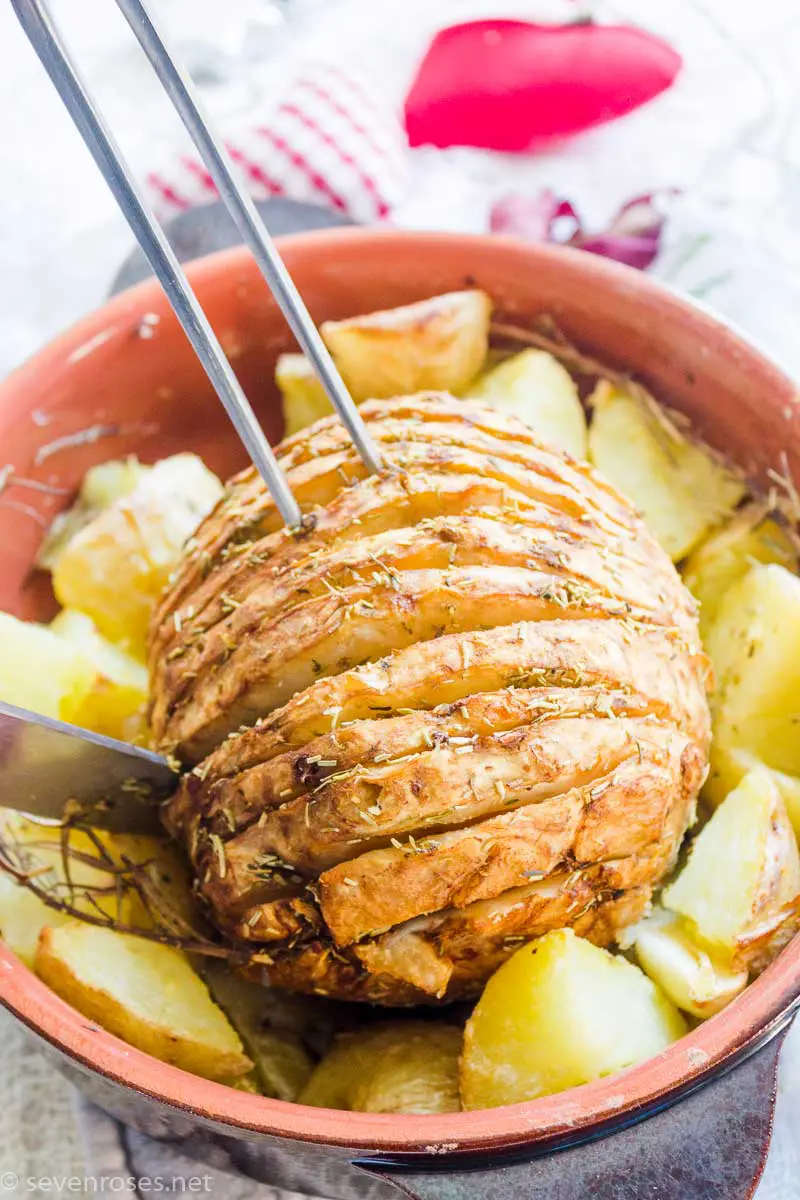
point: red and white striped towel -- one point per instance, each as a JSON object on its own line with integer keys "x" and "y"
{"x": 328, "y": 141}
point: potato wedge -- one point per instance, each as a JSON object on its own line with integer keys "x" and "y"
{"x": 42, "y": 671}
{"x": 729, "y": 767}
{"x": 69, "y": 671}
{"x": 536, "y": 388}
{"x": 754, "y": 645}
{"x": 751, "y": 536}
{"x": 682, "y": 489}
{"x": 246, "y": 1083}
{"x": 683, "y": 969}
{"x": 22, "y": 917}
{"x": 115, "y": 702}
{"x": 743, "y": 868}
{"x": 36, "y": 847}
{"x": 102, "y": 486}
{"x": 437, "y": 344}
{"x": 304, "y": 398}
{"x": 282, "y": 1062}
{"x": 115, "y": 567}
{"x": 393, "y": 1067}
{"x": 143, "y": 992}
{"x": 765, "y": 939}
{"x": 171, "y": 902}
{"x": 559, "y": 1013}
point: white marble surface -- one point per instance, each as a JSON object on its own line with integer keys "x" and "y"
{"x": 728, "y": 134}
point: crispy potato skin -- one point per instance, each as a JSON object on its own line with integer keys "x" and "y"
{"x": 141, "y": 992}
{"x": 436, "y": 343}
{"x": 395, "y": 1066}
{"x": 680, "y": 486}
{"x": 475, "y": 699}
{"x": 741, "y": 883}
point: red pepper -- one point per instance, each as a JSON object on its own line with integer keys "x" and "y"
{"x": 512, "y": 86}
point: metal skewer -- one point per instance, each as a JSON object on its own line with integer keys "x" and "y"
{"x": 46, "y": 40}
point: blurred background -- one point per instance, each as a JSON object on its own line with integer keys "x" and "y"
{"x": 726, "y": 133}
{"x": 334, "y": 103}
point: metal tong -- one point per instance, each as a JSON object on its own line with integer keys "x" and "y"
{"x": 35, "y": 751}
{"x": 36, "y": 20}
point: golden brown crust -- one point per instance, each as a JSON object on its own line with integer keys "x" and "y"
{"x": 410, "y": 969}
{"x": 380, "y": 889}
{"x": 653, "y": 663}
{"x": 363, "y": 623}
{"x": 441, "y": 543}
{"x": 446, "y": 787}
{"x": 513, "y": 459}
{"x": 249, "y": 509}
{"x": 287, "y": 920}
{"x": 233, "y": 801}
{"x": 379, "y": 504}
{"x": 373, "y": 805}
{"x": 384, "y": 888}
{"x": 476, "y": 703}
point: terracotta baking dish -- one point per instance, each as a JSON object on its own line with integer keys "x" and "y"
{"x": 115, "y": 384}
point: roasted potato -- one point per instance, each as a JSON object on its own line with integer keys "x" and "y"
{"x": 304, "y": 398}
{"x": 69, "y": 671}
{"x": 42, "y": 671}
{"x": 115, "y": 701}
{"x": 754, "y": 644}
{"x": 393, "y": 1067}
{"x": 308, "y": 833}
{"x": 742, "y": 872}
{"x": 438, "y": 344}
{"x": 170, "y": 901}
{"x": 669, "y": 953}
{"x": 22, "y": 916}
{"x": 536, "y": 388}
{"x": 116, "y": 566}
{"x": 730, "y": 765}
{"x": 682, "y": 489}
{"x": 751, "y": 536}
{"x": 246, "y": 1083}
{"x": 559, "y": 1013}
{"x": 36, "y": 847}
{"x": 765, "y": 939}
{"x": 283, "y": 1063}
{"x": 102, "y": 486}
{"x": 143, "y": 992}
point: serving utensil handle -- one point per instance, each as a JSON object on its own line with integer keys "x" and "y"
{"x": 183, "y": 95}
{"x": 46, "y": 39}
{"x": 44, "y": 36}
{"x": 710, "y": 1145}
